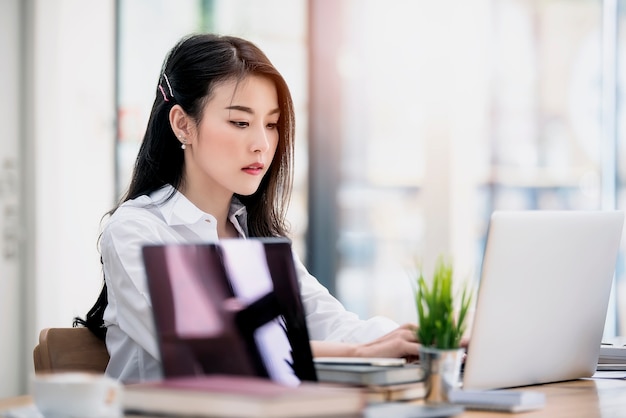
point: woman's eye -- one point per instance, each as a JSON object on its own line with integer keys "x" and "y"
{"x": 272, "y": 125}
{"x": 239, "y": 124}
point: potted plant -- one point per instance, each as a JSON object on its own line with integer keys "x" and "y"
{"x": 442, "y": 320}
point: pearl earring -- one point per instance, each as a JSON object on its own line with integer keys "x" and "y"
{"x": 183, "y": 141}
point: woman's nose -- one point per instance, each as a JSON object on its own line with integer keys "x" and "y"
{"x": 261, "y": 141}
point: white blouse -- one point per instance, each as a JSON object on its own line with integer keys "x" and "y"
{"x": 131, "y": 338}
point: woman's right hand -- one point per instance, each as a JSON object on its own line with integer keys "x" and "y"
{"x": 401, "y": 342}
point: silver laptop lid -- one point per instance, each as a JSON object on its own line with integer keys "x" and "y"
{"x": 543, "y": 297}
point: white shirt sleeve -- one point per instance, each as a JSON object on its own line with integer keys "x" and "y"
{"x": 131, "y": 336}
{"x": 327, "y": 319}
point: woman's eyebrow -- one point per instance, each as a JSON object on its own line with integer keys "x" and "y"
{"x": 249, "y": 110}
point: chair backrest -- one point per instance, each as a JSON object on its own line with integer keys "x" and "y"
{"x": 70, "y": 349}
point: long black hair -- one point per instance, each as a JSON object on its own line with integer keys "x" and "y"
{"x": 189, "y": 74}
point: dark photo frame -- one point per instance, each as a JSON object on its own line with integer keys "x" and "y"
{"x": 205, "y": 325}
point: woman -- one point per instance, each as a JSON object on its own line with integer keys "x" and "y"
{"x": 215, "y": 162}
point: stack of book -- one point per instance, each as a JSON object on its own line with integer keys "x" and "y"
{"x": 381, "y": 379}
{"x": 344, "y": 389}
{"x": 241, "y": 397}
{"x": 613, "y": 355}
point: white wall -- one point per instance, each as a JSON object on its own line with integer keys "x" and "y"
{"x": 10, "y": 290}
{"x": 74, "y": 151}
{"x": 64, "y": 127}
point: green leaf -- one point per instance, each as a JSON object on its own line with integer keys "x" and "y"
{"x": 439, "y": 325}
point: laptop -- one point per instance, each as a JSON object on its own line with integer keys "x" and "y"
{"x": 543, "y": 297}
{"x": 231, "y": 307}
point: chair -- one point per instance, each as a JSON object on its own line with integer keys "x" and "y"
{"x": 70, "y": 349}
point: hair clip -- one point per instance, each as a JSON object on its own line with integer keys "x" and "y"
{"x": 169, "y": 87}
{"x": 163, "y": 93}
{"x": 168, "y": 84}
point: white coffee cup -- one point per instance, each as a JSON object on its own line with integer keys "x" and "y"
{"x": 77, "y": 394}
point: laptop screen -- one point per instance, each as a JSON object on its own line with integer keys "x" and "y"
{"x": 232, "y": 307}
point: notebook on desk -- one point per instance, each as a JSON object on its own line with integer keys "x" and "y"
{"x": 613, "y": 354}
{"x": 543, "y": 297}
{"x": 229, "y": 308}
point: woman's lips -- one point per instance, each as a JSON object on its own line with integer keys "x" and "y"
{"x": 253, "y": 169}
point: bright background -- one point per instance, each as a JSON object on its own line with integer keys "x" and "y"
{"x": 415, "y": 120}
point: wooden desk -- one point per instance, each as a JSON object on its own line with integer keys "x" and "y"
{"x": 585, "y": 398}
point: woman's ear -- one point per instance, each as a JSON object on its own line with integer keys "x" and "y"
{"x": 181, "y": 123}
